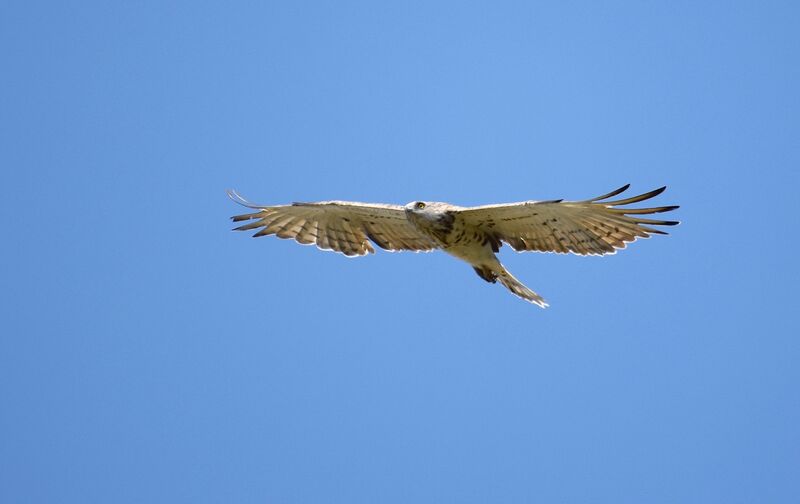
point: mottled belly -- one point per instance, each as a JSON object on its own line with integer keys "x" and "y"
{"x": 471, "y": 245}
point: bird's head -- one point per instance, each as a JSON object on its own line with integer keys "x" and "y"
{"x": 416, "y": 207}
{"x": 431, "y": 216}
{"x": 420, "y": 212}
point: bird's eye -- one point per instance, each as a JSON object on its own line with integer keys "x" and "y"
{"x": 420, "y": 205}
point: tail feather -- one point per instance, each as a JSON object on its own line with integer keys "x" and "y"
{"x": 519, "y": 289}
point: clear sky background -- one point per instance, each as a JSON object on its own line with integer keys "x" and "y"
{"x": 149, "y": 354}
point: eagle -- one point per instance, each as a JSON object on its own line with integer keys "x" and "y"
{"x": 597, "y": 226}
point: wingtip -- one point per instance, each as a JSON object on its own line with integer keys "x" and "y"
{"x": 609, "y": 195}
{"x": 635, "y": 199}
{"x": 234, "y": 196}
{"x": 237, "y": 198}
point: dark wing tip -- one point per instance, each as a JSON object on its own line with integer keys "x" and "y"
{"x": 636, "y": 199}
{"x": 611, "y": 194}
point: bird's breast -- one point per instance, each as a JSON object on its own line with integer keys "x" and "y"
{"x": 438, "y": 226}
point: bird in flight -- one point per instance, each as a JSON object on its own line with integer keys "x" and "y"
{"x": 596, "y": 226}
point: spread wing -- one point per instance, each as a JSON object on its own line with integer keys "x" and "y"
{"x": 590, "y": 227}
{"x": 341, "y": 226}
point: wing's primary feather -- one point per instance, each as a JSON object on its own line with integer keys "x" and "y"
{"x": 589, "y": 227}
{"x": 341, "y": 226}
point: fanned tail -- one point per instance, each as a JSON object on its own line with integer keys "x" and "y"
{"x": 518, "y": 288}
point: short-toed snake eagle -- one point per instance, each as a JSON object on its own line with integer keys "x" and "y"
{"x": 595, "y": 226}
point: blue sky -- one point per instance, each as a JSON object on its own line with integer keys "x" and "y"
{"x": 151, "y": 355}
